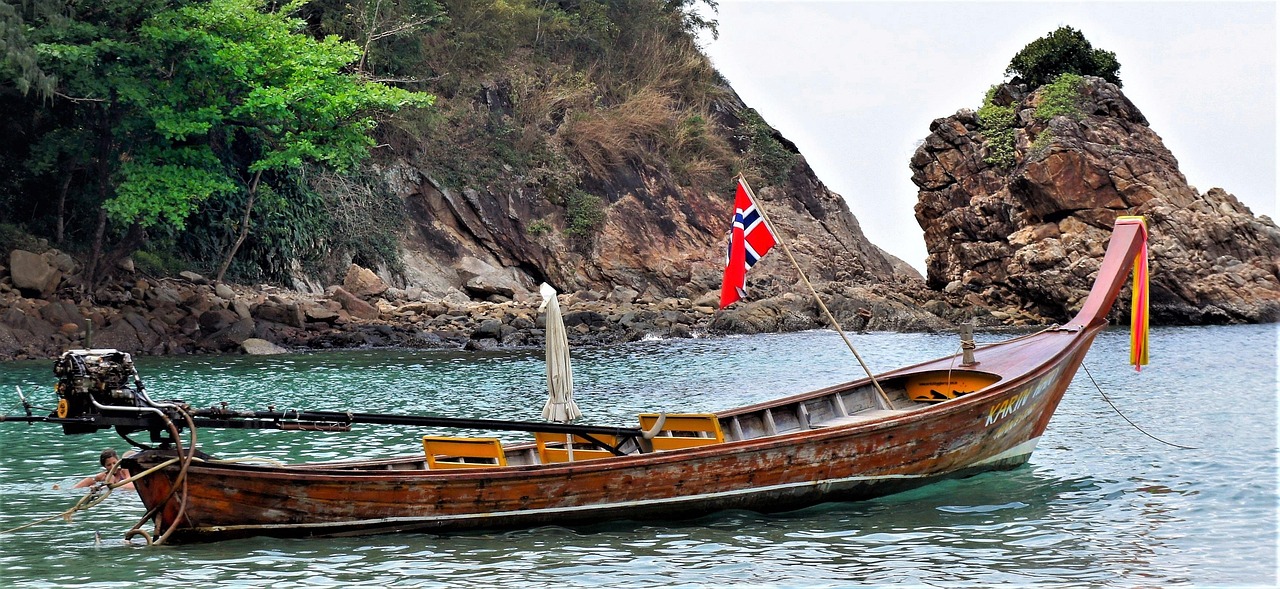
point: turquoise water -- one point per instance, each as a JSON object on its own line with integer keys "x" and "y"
{"x": 1100, "y": 503}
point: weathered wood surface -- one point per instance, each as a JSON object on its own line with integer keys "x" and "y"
{"x": 827, "y": 445}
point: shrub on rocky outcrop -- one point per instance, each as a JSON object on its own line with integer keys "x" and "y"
{"x": 1064, "y": 50}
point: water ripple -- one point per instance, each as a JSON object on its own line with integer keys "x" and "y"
{"x": 1100, "y": 504}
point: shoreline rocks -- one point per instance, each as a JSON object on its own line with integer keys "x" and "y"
{"x": 188, "y": 315}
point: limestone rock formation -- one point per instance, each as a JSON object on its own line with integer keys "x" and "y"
{"x": 1028, "y": 238}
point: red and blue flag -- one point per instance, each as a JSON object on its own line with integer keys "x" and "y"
{"x": 749, "y": 240}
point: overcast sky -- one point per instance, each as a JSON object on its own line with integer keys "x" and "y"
{"x": 855, "y": 85}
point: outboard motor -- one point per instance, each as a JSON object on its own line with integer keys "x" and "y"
{"x": 90, "y": 383}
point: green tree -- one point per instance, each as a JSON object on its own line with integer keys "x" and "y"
{"x": 208, "y": 100}
{"x": 1062, "y": 51}
{"x": 18, "y": 60}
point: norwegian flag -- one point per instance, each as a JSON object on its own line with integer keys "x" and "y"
{"x": 749, "y": 240}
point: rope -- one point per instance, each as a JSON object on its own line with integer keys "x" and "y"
{"x": 884, "y": 397}
{"x": 92, "y": 498}
{"x": 180, "y": 482}
{"x": 1117, "y": 410}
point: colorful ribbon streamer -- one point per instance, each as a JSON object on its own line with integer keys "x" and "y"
{"x": 1139, "y": 315}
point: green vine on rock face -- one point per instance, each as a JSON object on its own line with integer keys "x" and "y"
{"x": 538, "y": 227}
{"x": 586, "y": 214}
{"x": 1061, "y": 98}
{"x": 997, "y": 125}
{"x": 767, "y": 154}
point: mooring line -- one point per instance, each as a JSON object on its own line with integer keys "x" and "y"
{"x": 92, "y": 498}
{"x": 1117, "y": 410}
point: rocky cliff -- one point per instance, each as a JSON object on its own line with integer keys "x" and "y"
{"x": 656, "y": 237}
{"x": 472, "y": 264}
{"x": 1027, "y": 237}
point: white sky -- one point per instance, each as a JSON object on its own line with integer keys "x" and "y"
{"x": 855, "y": 85}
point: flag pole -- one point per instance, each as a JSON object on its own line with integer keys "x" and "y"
{"x": 764, "y": 215}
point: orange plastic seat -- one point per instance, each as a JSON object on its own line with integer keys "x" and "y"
{"x": 683, "y": 430}
{"x": 445, "y": 452}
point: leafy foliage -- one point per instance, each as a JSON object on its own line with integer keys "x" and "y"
{"x": 768, "y": 155}
{"x": 586, "y": 213}
{"x": 1062, "y": 97}
{"x": 179, "y": 116}
{"x": 18, "y": 61}
{"x": 184, "y": 104}
{"x": 998, "y": 127}
{"x": 1064, "y": 50}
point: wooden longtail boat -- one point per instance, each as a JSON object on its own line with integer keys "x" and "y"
{"x": 841, "y": 443}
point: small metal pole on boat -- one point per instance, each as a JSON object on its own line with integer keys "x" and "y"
{"x": 966, "y": 344}
{"x": 88, "y": 334}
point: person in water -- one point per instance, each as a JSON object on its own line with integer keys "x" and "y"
{"x": 108, "y": 459}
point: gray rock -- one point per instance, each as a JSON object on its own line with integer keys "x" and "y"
{"x": 216, "y": 320}
{"x": 623, "y": 295}
{"x": 229, "y": 339}
{"x": 32, "y": 273}
{"x": 61, "y": 313}
{"x": 224, "y": 291}
{"x": 482, "y": 287}
{"x": 489, "y": 328}
{"x": 193, "y": 277}
{"x": 260, "y": 347}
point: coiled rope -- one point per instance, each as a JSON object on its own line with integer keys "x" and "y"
{"x": 179, "y": 482}
{"x": 1126, "y": 418}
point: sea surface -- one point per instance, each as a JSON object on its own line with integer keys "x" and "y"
{"x": 1100, "y": 503}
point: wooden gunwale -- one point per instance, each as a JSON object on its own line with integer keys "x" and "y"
{"x": 794, "y": 468}
{"x": 497, "y": 477}
{"x": 347, "y": 469}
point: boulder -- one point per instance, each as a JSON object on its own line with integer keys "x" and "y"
{"x": 216, "y": 320}
{"x": 362, "y": 282}
{"x": 193, "y": 277}
{"x": 489, "y": 328}
{"x": 353, "y": 304}
{"x": 33, "y": 273}
{"x": 60, "y": 260}
{"x": 260, "y": 347}
{"x": 61, "y": 313}
{"x": 230, "y": 338}
{"x": 321, "y": 313}
{"x": 285, "y": 313}
{"x": 623, "y": 295}
{"x": 224, "y": 291}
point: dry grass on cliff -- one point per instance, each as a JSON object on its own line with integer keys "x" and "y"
{"x": 657, "y": 92}
{"x": 628, "y": 131}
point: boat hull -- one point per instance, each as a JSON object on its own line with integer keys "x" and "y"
{"x": 991, "y": 430}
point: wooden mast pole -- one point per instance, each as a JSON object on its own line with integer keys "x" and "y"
{"x": 764, "y": 215}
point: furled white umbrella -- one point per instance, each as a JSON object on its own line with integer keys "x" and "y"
{"x": 560, "y": 406}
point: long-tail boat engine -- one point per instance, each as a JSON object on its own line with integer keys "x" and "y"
{"x": 101, "y": 389}
{"x": 93, "y": 385}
